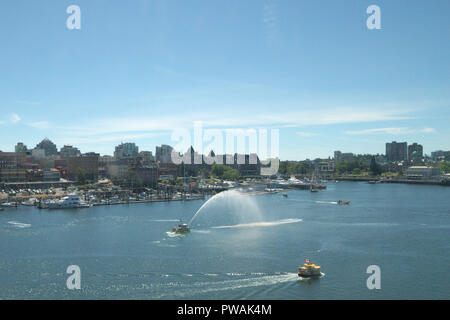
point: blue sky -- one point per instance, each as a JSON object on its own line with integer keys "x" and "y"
{"x": 139, "y": 69}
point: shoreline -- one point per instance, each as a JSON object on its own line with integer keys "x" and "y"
{"x": 399, "y": 181}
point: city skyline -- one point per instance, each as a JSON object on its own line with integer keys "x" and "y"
{"x": 129, "y": 145}
{"x": 135, "y": 72}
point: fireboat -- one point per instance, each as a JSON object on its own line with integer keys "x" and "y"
{"x": 181, "y": 228}
{"x": 309, "y": 270}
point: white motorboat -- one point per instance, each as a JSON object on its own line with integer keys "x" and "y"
{"x": 30, "y": 202}
{"x": 70, "y": 201}
{"x": 9, "y": 204}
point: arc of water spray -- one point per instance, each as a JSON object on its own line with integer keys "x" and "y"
{"x": 213, "y": 198}
{"x": 229, "y": 193}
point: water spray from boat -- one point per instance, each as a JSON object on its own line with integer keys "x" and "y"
{"x": 260, "y": 224}
{"x": 237, "y": 204}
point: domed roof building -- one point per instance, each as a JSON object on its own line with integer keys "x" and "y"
{"x": 48, "y": 146}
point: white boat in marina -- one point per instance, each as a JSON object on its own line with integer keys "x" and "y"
{"x": 68, "y": 202}
{"x": 294, "y": 181}
{"x": 30, "y": 202}
{"x": 114, "y": 199}
{"x": 9, "y": 204}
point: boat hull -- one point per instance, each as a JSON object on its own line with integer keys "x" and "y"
{"x": 64, "y": 207}
{"x": 309, "y": 275}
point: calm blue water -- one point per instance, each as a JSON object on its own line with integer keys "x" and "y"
{"x": 124, "y": 252}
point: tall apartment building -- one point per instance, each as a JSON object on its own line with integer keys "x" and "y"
{"x": 415, "y": 151}
{"x": 20, "y": 147}
{"x": 163, "y": 154}
{"x": 396, "y": 151}
{"x": 69, "y": 151}
{"x": 48, "y": 147}
{"x": 126, "y": 150}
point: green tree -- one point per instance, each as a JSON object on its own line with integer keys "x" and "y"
{"x": 224, "y": 172}
{"x": 81, "y": 176}
{"x": 218, "y": 170}
{"x": 231, "y": 174}
{"x": 374, "y": 168}
{"x": 341, "y": 168}
{"x": 445, "y": 167}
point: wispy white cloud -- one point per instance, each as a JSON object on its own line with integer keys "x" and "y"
{"x": 14, "y": 118}
{"x": 40, "y": 124}
{"x": 305, "y": 134}
{"x": 134, "y": 125}
{"x": 401, "y": 130}
{"x": 210, "y": 120}
{"x": 391, "y": 131}
{"x": 429, "y": 130}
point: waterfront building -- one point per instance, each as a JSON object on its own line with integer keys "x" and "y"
{"x": 396, "y": 151}
{"x": 440, "y": 155}
{"x": 69, "y": 151}
{"x": 12, "y": 174}
{"x": 163, "y": 154}
{"x": 86, "y": 163}
{"x": 170, "y": 169}
{"x": 342, "y": 157}
{"x": 148, "y": 175}
{"x": 116, "y": 170}
{"x": 20, "y": 147}
{"x": 104, "y": 162}
{"x": 13, "y": 159}
{"x": 247, "y": 164}
{"x": 423, "y": 172}
{"x": 34, "y": 175}
{"x": 415, "y": 152}
{"x": 12, "y": 166}
{"x": 51, "y": 175}
{"x": 147, "y": 157}
{"x": 48, "y": 147}
{"x": 325, "y": 167}
{"x": 126, "y": 150}
{"x": 37, "y": 154}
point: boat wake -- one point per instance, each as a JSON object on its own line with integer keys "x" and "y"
{"x": 171, "y": 234}
{"x": 260, "y": 224}
{"x": 327, "y": 202}
{"x": 19, "y": 224}
{"x": 308, "y": 278}
{"x": 248, "y": 281}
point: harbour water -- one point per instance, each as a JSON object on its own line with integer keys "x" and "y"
{"x": 240, "y": 247}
